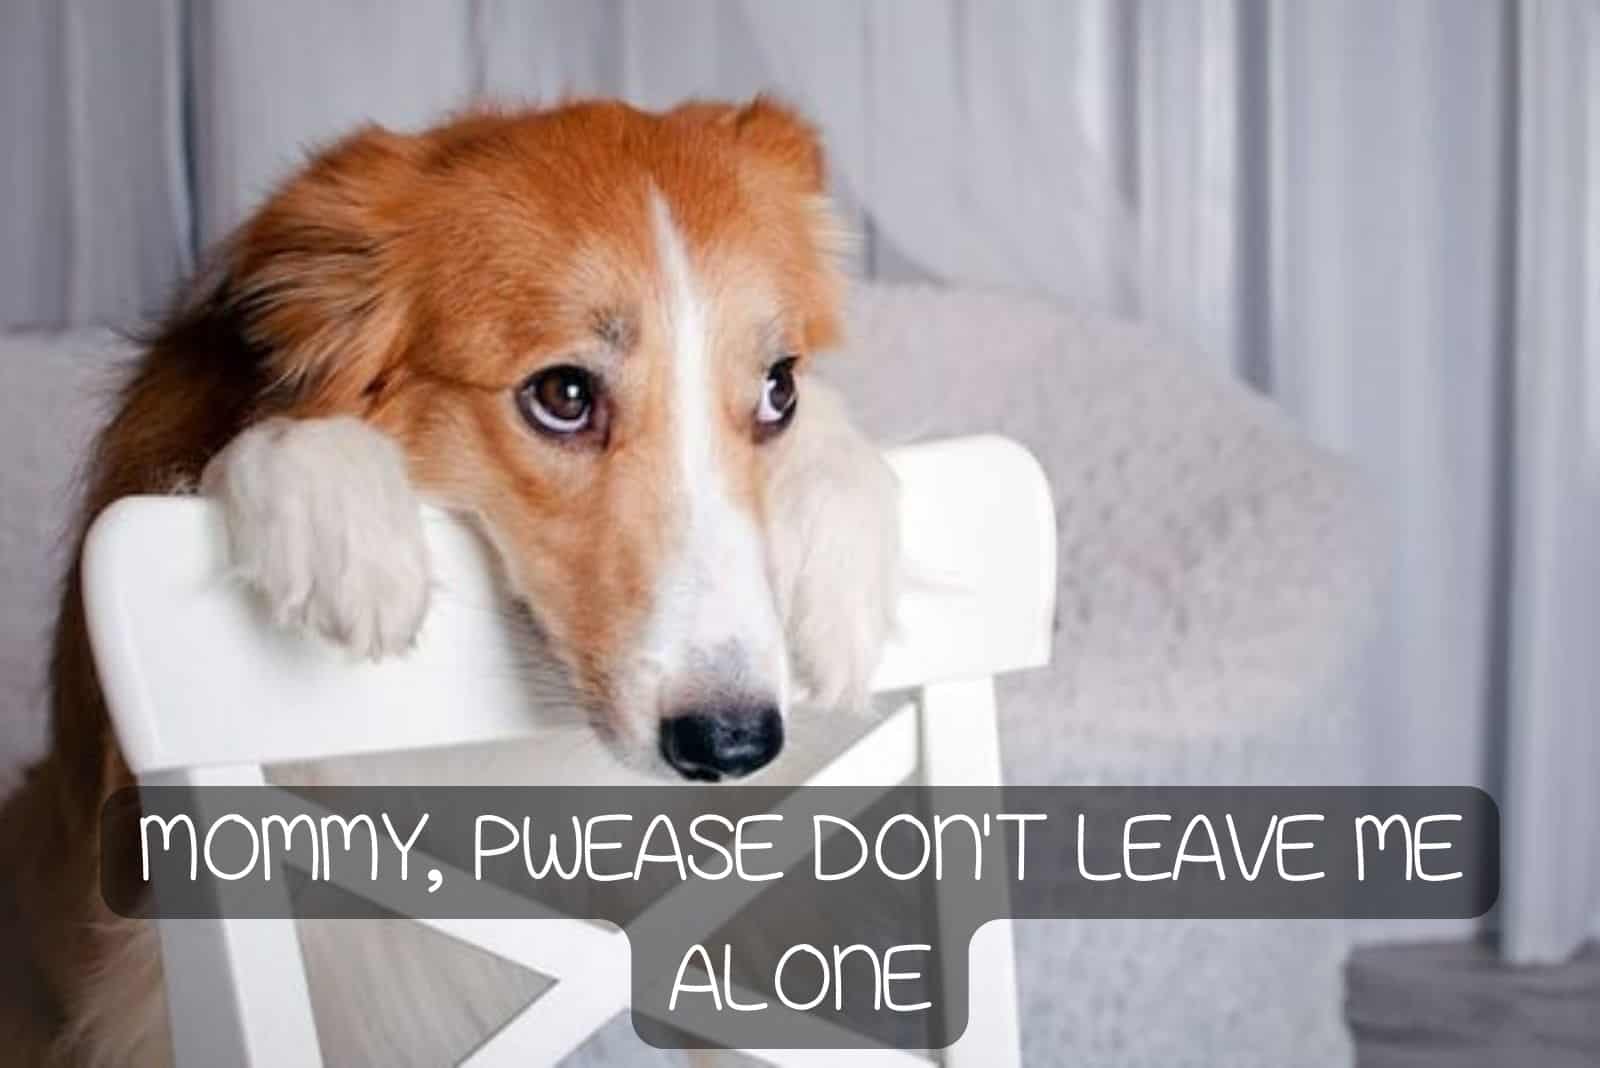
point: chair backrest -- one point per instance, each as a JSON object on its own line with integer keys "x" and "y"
{"x": 186, "y": 659}
{"x": 203, "y": 690}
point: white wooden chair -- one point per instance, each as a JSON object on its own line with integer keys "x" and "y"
{"x": 203, "y": 692}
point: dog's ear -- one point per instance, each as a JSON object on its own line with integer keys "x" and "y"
{"x": 784, "y": 139}
{"x": 791, "y": 145}
{"x": 772, "y": 131}
{"x": 788, "y": 149}
{"x": 312, "y": 274}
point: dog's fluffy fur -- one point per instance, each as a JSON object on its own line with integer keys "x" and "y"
{"x": 358, "y": 347}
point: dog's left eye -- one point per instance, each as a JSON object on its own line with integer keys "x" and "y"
{"x": 558, "y": 400}
{"x": 778, "y": 396}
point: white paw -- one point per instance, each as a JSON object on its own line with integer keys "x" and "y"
{"x": 323, "y": 523}
{"x": 835, "y": 530}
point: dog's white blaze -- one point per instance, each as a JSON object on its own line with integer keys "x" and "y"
{"x": 716, "y": 621}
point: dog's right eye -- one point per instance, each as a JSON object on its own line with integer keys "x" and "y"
{"x": 558, "y": 400}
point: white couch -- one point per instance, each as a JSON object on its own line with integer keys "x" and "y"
{"x": 1215, "y": 575}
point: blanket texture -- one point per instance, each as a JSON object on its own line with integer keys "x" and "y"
{"x": 1216, "y": 571}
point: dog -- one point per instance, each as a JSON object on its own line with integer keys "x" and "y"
{"x": 587, "y": 329}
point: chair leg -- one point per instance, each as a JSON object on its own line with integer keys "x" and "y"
{"x": 961, "y": 747}
{"x": 236, "y": 988}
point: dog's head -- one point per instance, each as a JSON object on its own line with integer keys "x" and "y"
{"x": 589, "y": 328}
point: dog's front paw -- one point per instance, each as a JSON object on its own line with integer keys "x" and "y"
{"x": 323, "y": 523}
{"x": 835, "y": 527}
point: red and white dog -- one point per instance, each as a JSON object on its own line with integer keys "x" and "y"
{"x": 587, "y": 329}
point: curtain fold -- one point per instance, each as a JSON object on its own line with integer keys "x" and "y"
{"x": 1552, "y": 790}
{"x": 97, "y": 219}
{"x": 1387, "y": 337}
{"x": 272, "y": 81}
{"x": 1382, "y": 214}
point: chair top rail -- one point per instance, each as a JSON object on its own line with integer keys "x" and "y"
{"x": 195, "y": 674}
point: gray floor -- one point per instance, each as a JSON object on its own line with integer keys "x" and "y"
{"x": 1453, "y": 1005}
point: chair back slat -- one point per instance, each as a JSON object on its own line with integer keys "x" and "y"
{"x": 194, "y": 676}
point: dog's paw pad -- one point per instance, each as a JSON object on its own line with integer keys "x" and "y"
{"x": 323, "y": 524}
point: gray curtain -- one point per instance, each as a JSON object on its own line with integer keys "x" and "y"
{"x": 1383, "y": 215}
{"x": 97, "y": 205}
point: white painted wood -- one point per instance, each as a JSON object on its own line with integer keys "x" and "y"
{"x": 961, "y": 747}
{"x": 978, "y": 532}
{"x": 993, "y": 1038}
{"x": 236, "y": 988}
{"x": 203, "y": 690}
{"x": 960, "y": 733}
{"x": 590, "y": 990}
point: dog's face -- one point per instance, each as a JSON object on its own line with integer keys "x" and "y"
{"x": 587, "y": 327}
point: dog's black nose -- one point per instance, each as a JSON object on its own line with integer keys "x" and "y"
{"x": 710, "y": 744}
